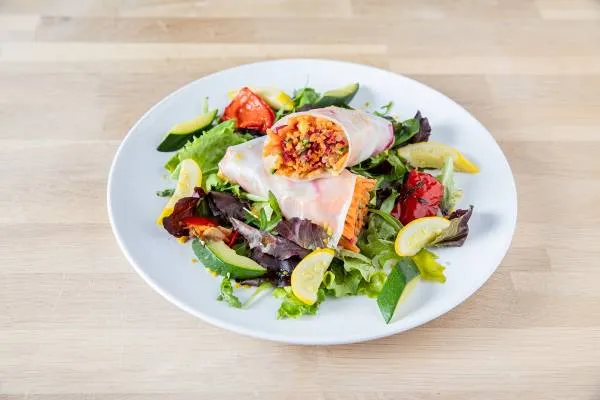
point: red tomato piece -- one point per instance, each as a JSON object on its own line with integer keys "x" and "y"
{"x": 250, "y": 111}
{"x": 421, "y": 197}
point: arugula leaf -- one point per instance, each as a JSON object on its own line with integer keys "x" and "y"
{"x": 405, "y": 130}
{"x": 451, "y": 193}
{"x": 393, "y": 222}
{"x": 208, "y": 149}
{"x": 305, "y": 96}
{"x": 165, "y": 193}
{"x": 227, "y": 293}
{"x": 429, "y": 268}
{"x": 388, "y": 204}
{"x": 275, "y": 205}
{"x": 386, "y": 166}
{"x": 265, "y": 215}
{"x": 291, "y": 307}
{"x": 385, "y": 110}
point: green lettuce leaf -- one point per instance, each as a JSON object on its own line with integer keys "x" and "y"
{"x": 451, "y": 193}
{"x": 373, "y": 287}
{"x": 208, "y": 149}
{"x": 357, "y": 262}
{"x": 305, "y": 96}
{"x": 429, "y": 268}
{"x": 339, "y": 283}
{"x": 213, "y": 182}
{"x": 291, "y": 307}
{"x": 227, "y": 293}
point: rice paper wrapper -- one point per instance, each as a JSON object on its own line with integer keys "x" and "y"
{"x": 322, "y": 201}
{"x": 367, "y": 135}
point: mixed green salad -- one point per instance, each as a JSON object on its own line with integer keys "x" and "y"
{"x": 257, "y": 244}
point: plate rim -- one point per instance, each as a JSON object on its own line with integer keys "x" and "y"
{"x": 282, "y": 338}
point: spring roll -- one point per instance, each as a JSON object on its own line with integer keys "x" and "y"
{"x": 323, "y": 142}
{"x": 339, "y": 204}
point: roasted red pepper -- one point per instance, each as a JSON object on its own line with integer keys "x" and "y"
{"x": 420, "y": 197}
{"x": 233, "y": 238}
{"x": 250, "y": 111}
{"x": 198, "y": 221}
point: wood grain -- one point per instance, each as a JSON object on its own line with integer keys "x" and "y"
{"x": 77, "y": 323}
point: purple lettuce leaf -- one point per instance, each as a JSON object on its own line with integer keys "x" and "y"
{"x": 424, "y": 129}
{"x": 185, "y": 207}
{"x": 302, "y": 232}
{"x": 226, "y": 206}
{"x": 278, "y": 247}
{"x": 278, "y": 271}
{"x": 456, "y": 234}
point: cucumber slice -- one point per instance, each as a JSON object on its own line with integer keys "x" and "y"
{"x": 399, "y": 285}
{"x": 181, "y": 133}
{"x": 338, "y": 97}
{"x": 223, "y": 260}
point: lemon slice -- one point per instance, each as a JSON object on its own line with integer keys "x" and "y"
{"x": 308, "y": 275}
{"x": 434, "y": 154}
{"x": 418, "y": 234}
{"x": 274, "y": 97}
{"x": 190, "y": 176}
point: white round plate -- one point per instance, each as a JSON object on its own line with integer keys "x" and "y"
{"x": 137, "y": 173}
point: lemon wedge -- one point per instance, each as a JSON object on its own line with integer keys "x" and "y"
{"x": 418, "y": 234}
{"x": 274, "y": 97}
{"x": 308, "y": 275}
{"x": 190, "y": 176}
{"x": 434, "y": 154}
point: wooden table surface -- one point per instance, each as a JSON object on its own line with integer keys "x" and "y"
{"x": 76, "y": 322}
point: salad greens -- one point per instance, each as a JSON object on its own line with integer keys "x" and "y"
{"x": 254, "y": 229}
{"x": 291, "y": 307}
{"x": 227, "y": 293}
{"x": 451, "y": 193}
{"x": 208, "y": 149}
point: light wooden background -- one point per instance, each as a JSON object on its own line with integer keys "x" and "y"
{"x": 76, "y": 322}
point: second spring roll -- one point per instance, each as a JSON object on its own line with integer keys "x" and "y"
{"x": 322, "y": 142}
{"x": 339, "y": 204}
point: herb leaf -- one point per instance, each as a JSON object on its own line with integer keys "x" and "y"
{"x": 165, "y": 193}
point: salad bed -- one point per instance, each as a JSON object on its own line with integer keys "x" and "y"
{"x": 250, "y": 242}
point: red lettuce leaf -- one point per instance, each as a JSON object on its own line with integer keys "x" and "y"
{"x": 226, "y": 206}
{"x": 185, "y": 207}
{"x": 302, "y": 232}
{"x": 278, "y": 247}
{"x": 424, "y": 129}
{"x": 456, "y": 234}
{"x": 278, "y": 273}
